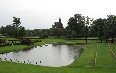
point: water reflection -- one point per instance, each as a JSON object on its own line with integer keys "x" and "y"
{"x": 45, "y": 55}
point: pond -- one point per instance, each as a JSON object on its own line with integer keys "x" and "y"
{"x": 45, "y": 55}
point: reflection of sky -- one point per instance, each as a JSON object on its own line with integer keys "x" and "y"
{"x": 59, "y": 55}
{"x": 43, "y": 13}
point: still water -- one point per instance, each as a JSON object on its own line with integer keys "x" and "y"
{"x": 45, "y": 55}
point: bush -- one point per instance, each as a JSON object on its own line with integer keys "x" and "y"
{"x": 26, "y": 41}
{"x": 2, "y": 41}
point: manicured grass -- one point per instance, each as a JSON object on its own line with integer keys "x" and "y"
{"x": 66, "y": 41}
{"x": 87, "y": 57}
{"x": 6, "y": 67}
{"x": 9, "y": 38}
{"x": 113, "y": 47}
{"x": 105, "y": 57}
{"x": 12, "y": 48}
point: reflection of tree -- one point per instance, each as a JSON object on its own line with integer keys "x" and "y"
{"x": 56, "y": 45}
{"x": 76, "y": 51}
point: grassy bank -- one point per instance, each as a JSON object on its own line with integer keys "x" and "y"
{"x": 87, "y": 57}
{"x": 13, "y": 48}
{"x": 43, "y": 41}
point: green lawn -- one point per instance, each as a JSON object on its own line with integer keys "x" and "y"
{"x": 105, "y": 62}
{"x": 87, "y": 57}
{"x": 7, "y": 67}
{"x": 113, "y": 47}
{"x": 105, "y": 57}
{"x": 12, "y": 48}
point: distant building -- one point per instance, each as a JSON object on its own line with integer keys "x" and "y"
{"x": 58, "y": 24}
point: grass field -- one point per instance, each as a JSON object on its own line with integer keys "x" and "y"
{"x": 105, "y": 57}
{"x": 105, "y": 62}
{"x": 7, "y": 67}
{"x": 87, "y": 57}
{"x": 113, "y": 47}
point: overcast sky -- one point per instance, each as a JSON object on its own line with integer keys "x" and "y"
{"x": 39, "y": 14}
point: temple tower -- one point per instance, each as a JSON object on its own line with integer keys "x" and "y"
{"x": 59, "y": 20}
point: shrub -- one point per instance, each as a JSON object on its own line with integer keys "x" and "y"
{"x": 26, "y": 41}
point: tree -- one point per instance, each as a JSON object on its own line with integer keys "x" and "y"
{"x": 69, "y": 32}
{"x": 10, "y": 31}
{"x": 16, "y": 22}
{"x": 64, "y": 32}
{"x": 2, "y": 30}
{"x": 57, "y": 30}
{"x": 21, "y": 31}
{"x": 76, "y": 23}
{"x": 29, "y": 32}
{"x": 14, "y": 30}
{"x": 99, "y": 27}
{"x": 86, "y": 28}
{"x": 111, "y": 26}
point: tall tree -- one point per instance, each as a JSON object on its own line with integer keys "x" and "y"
{"x": 76, "y": 23}
{"x": 111, "y": 26}
{"x": 21, "y": 31}
{"x": 69, "y": 32}
{"x": 57, "y": 31}
{"x": 99, "y": 27}
{"x": 16, "y": 22}
{"x": 86, "y": 29}
{"x": 2, "y": 30}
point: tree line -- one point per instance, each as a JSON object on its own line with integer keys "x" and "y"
{"x": 78, "y": 26}
{"x": 83, "y": 26}
{"x": 14, "y": 29}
